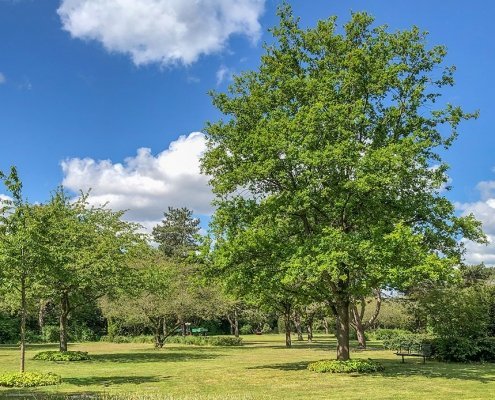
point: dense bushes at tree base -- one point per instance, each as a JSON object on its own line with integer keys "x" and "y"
{"x": 62, "y": 356}
{"x": 29, "y": 379}
{"x": 460, "y": 349}
{"x": 357, "y": 365}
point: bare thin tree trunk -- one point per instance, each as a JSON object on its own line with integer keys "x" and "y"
{"x": 64, "y": 318}
{"x": 23, "y": 322}
{"x": 287, "y": 320}
{"x": 236, "y": 323}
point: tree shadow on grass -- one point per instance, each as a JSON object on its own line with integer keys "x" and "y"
{"x": 483, "y": 373}
{"x": 293, "y": 366}
{"x": 151, "y": 357}
{"x": 113, "y": 380}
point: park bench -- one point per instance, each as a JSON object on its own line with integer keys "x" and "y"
{"x": 414, "y": 350}
{"x": 199, "y": 331}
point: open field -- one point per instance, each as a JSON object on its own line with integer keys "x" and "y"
{"x": 262, "y": 369}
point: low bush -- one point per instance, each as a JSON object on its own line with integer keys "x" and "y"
{"x": 406, "y": 340}
{"x": 206, "y": 340}
{"x": 357, "y": 365}
{"x": 29, "y": 379}
{"x": 463, "y": 349}
{"x": 62, "y": 356}
{"x": 225, "y": 341}
{"x": 127, "y": 339}
{"x": 246, "y": 329}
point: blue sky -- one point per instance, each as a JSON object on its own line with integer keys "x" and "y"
{"x": 85, "y": 84}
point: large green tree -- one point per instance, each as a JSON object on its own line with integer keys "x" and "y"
{"x": 330, "y": 157}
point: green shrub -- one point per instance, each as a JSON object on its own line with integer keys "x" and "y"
{"x": 406, "y": 340}
{"x": 50, "y": 333}
{"x": 266, "y": 328}
{"x": 29, "y": 379}
{"x": 246, "y": 329}
{"x": 464, "y": 350}
{"x": 225, "y": 341}
{"x": 357, "y": 365}
{"x": 206, "y": 340}
{"x": 385, "y": 334}
{"x": 62, "y": 356}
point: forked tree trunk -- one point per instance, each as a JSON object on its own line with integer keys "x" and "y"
{"x": 325, "y": 326}
{"x": 159, "y": 337}
{"x": 357, "y": 318}
{"x": 64, "y": 318}
{"x": 297, "y": 324}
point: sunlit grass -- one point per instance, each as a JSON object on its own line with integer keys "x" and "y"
{"x": 261, "y": 369}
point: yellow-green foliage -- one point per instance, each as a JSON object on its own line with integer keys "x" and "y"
{"x": 62, "y": 356}
{"x": 357, "y": 365}
{"x": 29, "y": 379}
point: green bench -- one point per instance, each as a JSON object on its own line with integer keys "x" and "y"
{"x": 414, "y": 350}
{"x": 199, "y": 331}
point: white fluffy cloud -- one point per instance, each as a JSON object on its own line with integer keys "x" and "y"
{"x": 2, "y": 78}
{"x": 483, "y": 210}
{"x": 162, "y": 31}
{"x": 146, "y": 184}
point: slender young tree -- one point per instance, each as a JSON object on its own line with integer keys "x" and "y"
{"x": 329, "y": 155}
{"x": 22, "y": 252}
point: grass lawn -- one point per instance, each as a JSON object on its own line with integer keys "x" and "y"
{"x": 261, "y": 369}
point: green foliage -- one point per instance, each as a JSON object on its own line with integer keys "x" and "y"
{"x": 206, "y": 340}
{"x": 386, "y": 334}
{"x": 29, "y": 379}
{"x": 225, "y": 341}
{"x": 395, "y": 314}
{"x": 50, "y": 333}
{"x": 62, "y": 356}
{"x": 177, "y": 234}
{"x": 9, "y": 328}
{"x": 460, "y": 312}
{"x": 406, "y": 340}
{"x": 460, "y": 349}
{"x": 348, "y": 366}
{"x": 322, "y": 165}
{"x": 246, "y": 329}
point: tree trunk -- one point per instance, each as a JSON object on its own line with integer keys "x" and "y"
{"x": 236, "y": 324}
{"x": 310, "y": 330}
{"x": 159, "y": 338}
{"x": 288, "y": 340}
{"x": 64, "y": 317}
{"x": 361, "y": 337}
{"x": 342, "y": 314}
{"x": 23, "y": 322}
{"x": 358, "y": 315}
{"x": 42, "y": 312}
{"x": 325, "y": 326}
{"x": 297, "y": 323}
{"x": 183, "y": 328}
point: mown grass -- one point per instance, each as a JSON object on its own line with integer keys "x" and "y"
{"x": 261, "y": 369}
